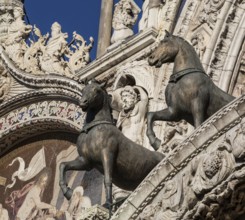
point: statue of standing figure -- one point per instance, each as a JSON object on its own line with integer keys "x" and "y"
{"x": 18, "y": 32}
{"x": 57, "y": 47}
{"x": 151, "y": 9}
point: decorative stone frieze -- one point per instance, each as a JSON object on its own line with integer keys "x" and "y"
{"x": 37, "y": 117}
{"x": 224, "y": 50}
{"x": 237, "y": 86}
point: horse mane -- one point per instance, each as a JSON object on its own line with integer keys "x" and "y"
{"x": 185, "y": 42}
{"x": 106, "y": 101}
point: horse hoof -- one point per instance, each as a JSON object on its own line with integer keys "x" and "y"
{"x": 107, "y": 205}
{"x": 68, "y": 193}
{"x": 156, "y": 144}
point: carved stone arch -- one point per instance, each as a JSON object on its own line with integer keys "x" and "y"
{"x": 226, "y": 44}
{"x": 230, "y": 78}
{"x": 54, "y": 113}
{"x": 235, "y": 39}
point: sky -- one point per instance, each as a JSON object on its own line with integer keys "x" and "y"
{"x": 81, "y": 16}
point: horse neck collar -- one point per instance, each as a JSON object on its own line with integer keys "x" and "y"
{"x": 176, "y": 76}
{"x": 92, "y": 124}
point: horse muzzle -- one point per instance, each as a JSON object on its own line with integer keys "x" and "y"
{"x": 83, "y": 104}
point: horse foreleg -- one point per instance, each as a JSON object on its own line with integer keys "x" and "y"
{"x": 108, "y": 161}
{"x": 198, "y": 109}
{"x": 163, "y": 115}
{"x": 78, "y": 164}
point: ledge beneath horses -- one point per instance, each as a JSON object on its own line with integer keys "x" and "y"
{"x": 95, "y": 212}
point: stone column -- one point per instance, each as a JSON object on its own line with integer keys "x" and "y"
{"x": 105, "y": 26}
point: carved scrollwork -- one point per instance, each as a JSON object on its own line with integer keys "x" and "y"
{"x": 237, "y": 141}
{"x": 210, "y": 11}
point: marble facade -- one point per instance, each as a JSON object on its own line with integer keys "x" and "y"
{"x": 202, "y": 176}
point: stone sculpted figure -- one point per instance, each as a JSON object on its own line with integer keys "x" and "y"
{"x": 57, "y": 47}
{"x": 174, "y": 134}
{"x": 211, "y": 168}
{"x": 125, "y": 16}
{"x": 18, "y": 31}
{"x": 80, "y": 57}
{"x": 151, "y": 9}
{"x": 131, "y": 119}
{"x": 6, "y": 18}
{"x": 197, "y": 43}
{"x": 238, "y": 143}
{"x": 34, "y": 53}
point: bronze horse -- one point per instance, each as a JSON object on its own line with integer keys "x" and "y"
{"x": 190, "y": 94}
{"x": 102, "y": 146}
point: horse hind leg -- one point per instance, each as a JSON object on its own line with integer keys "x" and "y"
{"x": 78, "y": 164}
{"x": 108, "y": 157}
{"x": 163, "y": 115}
{"x": 198, "y": 111}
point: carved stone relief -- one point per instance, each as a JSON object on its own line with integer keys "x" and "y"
{"x": 46, "y": 55}
{"x": 209, "y": 12}
{"x": 222, "y": 61}
{"x": 174, "y": 133}
{"x": 167, "y": 13}
{"x": 194, "y": 184}
{"x": 198, "y": 43}
{"x": 151, "y": 14}
{"x": 186, "y": 20}
{"x": 239, "y": 87}
{"x": 5, "y": 83}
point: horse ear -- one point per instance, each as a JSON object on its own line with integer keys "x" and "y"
{"x": 84, "y": 81}
{"x": 93, "y": 80}
{"x": 167, "y": 34}
{"x": 103, "y": 85}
